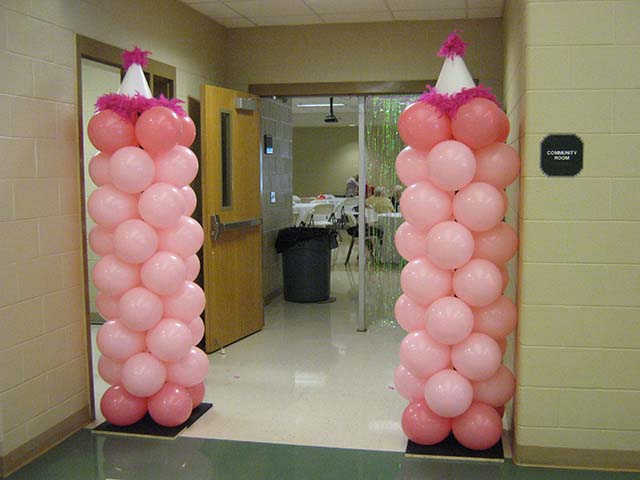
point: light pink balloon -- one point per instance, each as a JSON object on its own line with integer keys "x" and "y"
{"x": 190, "y": 200}
{"x": 108, "y": 131}
{"x": 449, "y": 245}
{"x": 479, "y": 428}
{"x": 477, "y": 123}
{"x": 449, "y": 320}
{"x": 135, "y": 241}
{"x": 478, "y": 283}
{"x": 497, "y": 320}
{"x": 423, "y": 282}
{"x": 422, "y": 126}
{"x": 161, "y": 205}
{"x": 110, "y": 370}
{"x": 99, "y": 169}
{"x": 169, "y": 340}
{"x": 497, "y": 245}
{"x": 113, "y": 277}
{"x": 498, "y": 165}
{"x": 178, "y": 166}
{"x": 184, "y": 238}
{"x": 410, "y": 242}
{"x": 131, "y": 169}
{"x": 409, "y": 314}
{"x": 478, "y": 206}
{"x": 171, "y": 406}
{"x": 448, "y": 394}
{"x": 422, "y": 355}
{"x": 411, "y": 166}
{"x": 197, "y": 394}
{"x": 188, "y": 134}
{"x": 158, "y": 130}
{"x": 423, "y": 205}
{"x": 451, "y": 165}
{"x": 408, "y": 385}
{"x": 190, "y": 369}
{"x": 107, "y": 306}
{"x": 101, "y": 240}
{"x": 118, "y": 342}
{"x": 192, "y": 265}
{"x": 140, "y": 309}
{"x": 186, "y": 304}
{"x": 164, "y": 273}
{"x": 109, "y": 207}
{"x": 120, "y": 408}
{"x": 477, "y": 357}
{"x": 497, "y": 390}
{"x": 143, "y": 374}
{"x": 197, "y": 330}
{"x": 422, "y": 426}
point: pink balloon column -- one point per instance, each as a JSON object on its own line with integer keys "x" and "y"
{"x": 456, "y": 168}
{"x": 148, "y": 243}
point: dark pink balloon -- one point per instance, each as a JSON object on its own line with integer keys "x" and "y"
{"x": 186, "y": 303}
{"x": 189, "y": 370}
{"x": 497, "y": 245}
{"x": 422, "y": 426}
{"x": 184, "y": 238}
{"x": 451, "y": 165}
{"x": 110, "y": 370}
{"x": 504, "y": 128}
{"x": 497, "y": 164}
{"x": 99, "y": 169}
{"x": 101, "y": 240}
{"x": 121, "y": 408}
{"x": 478, "y": 206}
{"x": 477, "y": 357}
{"x": 140, "y": 309}
{"x": 411, "y": 166}
{"x": 113, "y": 277}
{"x": 410, "y": 315}
{"x": 422, "y": 355}
{"x": 178, "y": 166}
{"x": 497, "y": 320}
{"x": 448, "y": 394}
{"x": 449, "y": 245}
{"x": 497, "y": 390}
{"x": 479, "y": 428}
{"x": 164, "y": 273}
{"x": 158, "y": 129}
{"x": 109, "y": 207}
{"x": 135, "y": 241}
{"x": 477, "y": 123}
{"x": 408, "y": 385}
{"x": 410, "y": 241}
{"x": 188, "y": 134}
{"x": 423, "y": 282}
{"x": 117, "y": 342}
{"x": 143, "y": 374}
{"x": 422, "y": 126}
{"x": 197, "y": 394}
{"x": 171, "y": 406}
{"x": 478, "y": 283}
{"x": 108, "y": 131}
{"x": 423, "y": 205}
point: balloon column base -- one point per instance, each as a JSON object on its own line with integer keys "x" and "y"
{"x": 450, "y": 449}
{"x": 148, "y": 428}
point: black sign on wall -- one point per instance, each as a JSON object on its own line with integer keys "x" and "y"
{"x": 561, "y": 155}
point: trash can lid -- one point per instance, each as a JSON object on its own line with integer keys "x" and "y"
{"x": 288, "y": 237}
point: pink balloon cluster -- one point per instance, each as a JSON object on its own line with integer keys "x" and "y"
{"x": 456, "y": 170}
{"x": 148, "y": 244}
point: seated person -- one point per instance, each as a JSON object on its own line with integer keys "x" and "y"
{"x": 379, "y": 202}
{"x": 352, "y": 186}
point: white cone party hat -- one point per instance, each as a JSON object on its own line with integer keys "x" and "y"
{"x": 134, "y": 81}
{"x": 454, "y": 75}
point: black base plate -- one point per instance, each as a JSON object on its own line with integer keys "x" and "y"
{"x": 450, "y": 448}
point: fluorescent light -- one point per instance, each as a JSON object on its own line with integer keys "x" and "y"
{"x": 305, "y": 105}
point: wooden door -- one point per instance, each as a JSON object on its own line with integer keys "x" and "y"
{"x": 232, "y": 216}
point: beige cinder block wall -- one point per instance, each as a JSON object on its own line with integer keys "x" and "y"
{"x": 578, "y": 394}
{"x": 44, "y": 383}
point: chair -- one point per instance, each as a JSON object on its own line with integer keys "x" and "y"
{"x": 295, "y": 198}
{"x": 372, "y": 235}
{"x": 319, "y": 216}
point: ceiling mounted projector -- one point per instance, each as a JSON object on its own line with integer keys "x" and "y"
{"x": 331, "y": 118}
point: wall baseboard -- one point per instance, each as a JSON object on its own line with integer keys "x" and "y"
{"x": 272, "y": 296}
{"x": 619, "y": 460}
{"x": 35, "y": 447}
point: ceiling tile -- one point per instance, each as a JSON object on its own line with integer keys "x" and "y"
{"x": 270, "y": 8}
{"x": 485, "y": 12}
{"x": 440, "y": 14}
{"x": 346, "y": 6}
{"x": 214, "y": 10}
{"x": 357, "y": 17}
{"x": 421, "y": 5}
{"x": 287, "y": 20}
{"x": 485, "y": 4}
{"x": 238, "y": 22}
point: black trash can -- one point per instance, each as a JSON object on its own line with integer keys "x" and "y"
{"x": 306, "y": 262}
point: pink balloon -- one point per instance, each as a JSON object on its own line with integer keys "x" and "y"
{"x": 409, "y": 314}
{"x": 423, "y": 282}
{"x": 197, "y": 394}
{"x": 131, "y": 169}
{"x": 143, "y": 374}
{"x": 422, "y": 355}
{"x": 451, "y": 165}
{"x": 135, "y": 241}
{"x": 498, "y": 165}
{"x": 169, "y": 340}
{"x": 99, "y": 169}
{"x": 110, "y": 370}
{"x": 497, "y": 245}
{"x": 422, "y": 126}
{"x": 505, "y": 276}
{"x": 140, "y": 309}
{"x": 161, "y": 205}
{"x": 448, "y": 394}
{"x": 496, "y": 320}
{"x": 478, "y": 206}
{"x": 197, "y": 330}
{"x": 477, "y": 357}
{"x": 121, "y": 408}
{"x": 502, "y": 343}
{"x": 101, "y": 240}
{"x": 184, "y": 238}
{"x": 479, "y": 428}
{"x": 410, "y": 242}
{"x": 497, "y": 390}
{"x": 477, "y": 123}
{"x": 478, "y": 283}
{"x": 186, "y": 304}
{"x": 178, "y": 166}
{"x": 171, "y": 406}
{"x": 190, "y": 369}
{"x": 190, "y": 200}
{"x": 108, "y": 131}
{"x": 449, "y": 245}
{"x": 422, "y": 426}
{"x": 411, "y": 166}
{"x": 117, "y": 342}
{"x": 107, "y": 306}
{"x": 164, "y": 273}
{"x": 109, "y": 207}
{"x": 158, "y": 129}
{"x": 188, "y": 134}
{"x": 449, "y": 320}
{"x": 423, "y": 205}
{"x": 504, "y": 128}
{"x": 408, "y": 385}
{"x": 113, "y": 277}
{"x": 192, "y": 265}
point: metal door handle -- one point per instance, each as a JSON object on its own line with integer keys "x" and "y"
{"x": 218, "y": 227}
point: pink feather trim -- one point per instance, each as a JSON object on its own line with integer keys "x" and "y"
{"x": 453, "y": 46}
{"x": 130, "y": 108}
{"x": 450, "y": 103}
{"x": 135, "y": 56}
